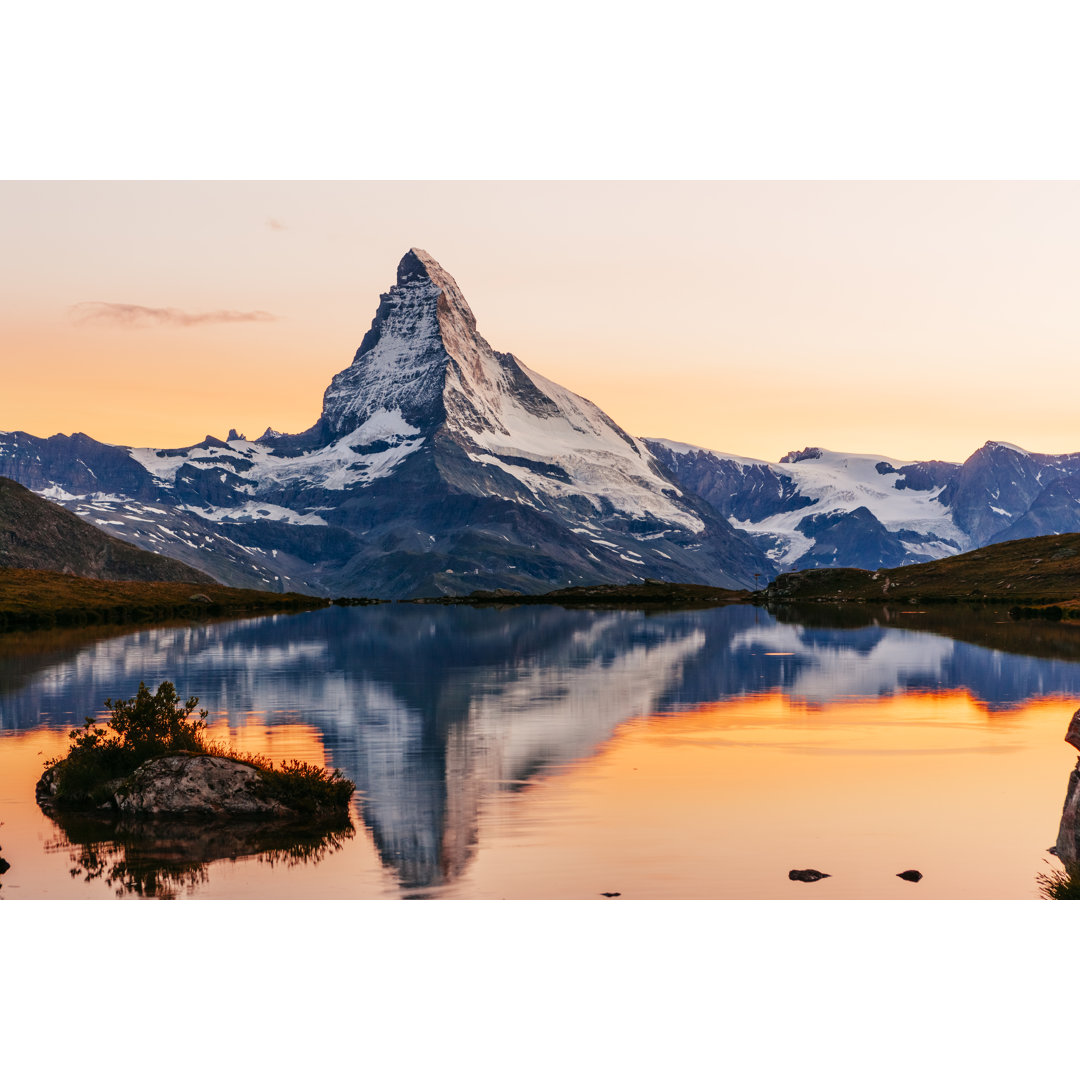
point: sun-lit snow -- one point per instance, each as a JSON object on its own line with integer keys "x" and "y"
{"x": 341, "y": 464}
{"x": 843, "y": 482}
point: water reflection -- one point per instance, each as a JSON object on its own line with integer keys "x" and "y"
{"x": 433, "y": 711}
{"x": 160, "y": 859}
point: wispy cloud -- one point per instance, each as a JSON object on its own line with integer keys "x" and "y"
{"x": 137, "y": 315}
{"x": 273, "y": 223}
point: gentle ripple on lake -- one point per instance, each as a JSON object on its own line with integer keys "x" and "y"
{"x": 544, "y": 753}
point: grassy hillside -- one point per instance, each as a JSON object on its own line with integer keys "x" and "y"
{"x": 1039, "y": 571}
{"x": 35, "y": 534}
{"x": 32, "y": 599}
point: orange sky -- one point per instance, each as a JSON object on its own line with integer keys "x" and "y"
{"x": 909, "y": 319}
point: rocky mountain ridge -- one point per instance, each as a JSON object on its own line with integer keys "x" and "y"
{"x": 820, "y": 508}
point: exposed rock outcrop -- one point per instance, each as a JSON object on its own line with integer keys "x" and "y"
{"x": 1067, "y": 848}
{"x": 1072, "y": 736}
{"x": 183, "y": 785}
{"x": 195, "y": 785}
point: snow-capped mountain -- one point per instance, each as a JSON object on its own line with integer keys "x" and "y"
{"x": 438, "y": 465}
{"x": 821, "y": 508}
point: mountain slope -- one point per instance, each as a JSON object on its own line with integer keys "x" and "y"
{"x": 437, "y": 466}
{"x": 36, "y": 535}
{"x": 1040, "y": 570}
{"x": 896, "y": 507}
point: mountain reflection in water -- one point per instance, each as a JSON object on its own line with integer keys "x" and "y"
{"x": 430, "y": 711}
{"x": 161, "y": 858}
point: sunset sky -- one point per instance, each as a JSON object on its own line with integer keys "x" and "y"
{"x": 911, "y": 319}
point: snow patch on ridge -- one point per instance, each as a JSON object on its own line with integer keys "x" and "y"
{"x": 842, "y": 482}
{"x": 341, "y": 464}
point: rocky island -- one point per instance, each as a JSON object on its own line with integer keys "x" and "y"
{"x": 151, "y": 760}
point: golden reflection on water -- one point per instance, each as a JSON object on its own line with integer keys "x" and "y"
{"x": 719, "y": 801}
{"x": 723, "y": 800}
{"x": 49, "y": 863}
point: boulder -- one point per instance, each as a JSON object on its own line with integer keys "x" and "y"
{"x": 1072, "y": 736}
{"x": 45, "y": 792}
{"x": 806, "y": 875}
{"x": 1067, "y": 848}
{"x": 186, "y": 784}
{"x": 181, "y": 784}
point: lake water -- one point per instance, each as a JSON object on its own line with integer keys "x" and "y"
{"x": 547, "y": 753}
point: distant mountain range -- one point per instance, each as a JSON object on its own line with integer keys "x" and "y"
{"x": 819, "y": 508}
{"x": 440, "y": 466}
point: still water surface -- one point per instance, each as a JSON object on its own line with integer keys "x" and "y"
{"x": 545, "y": 753}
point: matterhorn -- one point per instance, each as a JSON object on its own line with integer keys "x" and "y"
{"x": 438, "y": 466}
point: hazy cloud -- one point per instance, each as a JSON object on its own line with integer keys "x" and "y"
{"x": 137, "y": 315}
{"x": 273, "y": 223}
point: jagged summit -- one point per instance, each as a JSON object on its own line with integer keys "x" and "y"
{"x": 993, "y": 444}
{"x": 417, "y": 265}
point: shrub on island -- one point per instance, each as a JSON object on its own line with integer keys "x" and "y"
{"x": 152, "y": 757}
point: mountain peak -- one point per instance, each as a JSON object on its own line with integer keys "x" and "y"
{"x": 811, "y": 453}
{"x": 994, "y": 444}
{"x": 417, "y": 264}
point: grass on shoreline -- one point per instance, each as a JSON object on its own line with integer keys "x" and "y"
{"x": 1060, "y": 884}
{"x": 151, "y": 726}
{"x": 1032, "y": 576}
{"x": 41, "y": 599}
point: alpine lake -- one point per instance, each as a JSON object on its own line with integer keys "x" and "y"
{"x": 546, "y": 752}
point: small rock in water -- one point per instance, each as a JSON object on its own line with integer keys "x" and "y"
{"x": 611, "y": 894}
{"x": 910, "y": 875}
{"x": 806, "y": 875}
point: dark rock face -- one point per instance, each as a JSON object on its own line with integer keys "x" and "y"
{"x": 77, "y": 463}
{"x": 1055, "y": 510}
{"x": 746, "y": 492}
{"x": 1072, "y": 736}
{"x": 854, "y": 539}
{"x": 1067, "y": 847}
{"x": 925, "y": 475}
{"x": 811, "y": 453}
{"x": 994, "y": 487}
{"x": 999, "y": 486}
